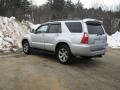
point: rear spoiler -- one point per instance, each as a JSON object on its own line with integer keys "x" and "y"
{"x": 88, "y": 20}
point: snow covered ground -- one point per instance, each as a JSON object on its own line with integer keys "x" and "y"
{"x": 12, "y": 31}
{"x": 114, "y": 40}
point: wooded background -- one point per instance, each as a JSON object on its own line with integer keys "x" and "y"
{"x": 59, "y": 10}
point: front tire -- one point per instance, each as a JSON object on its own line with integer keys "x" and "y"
{"x": 26, "y": 47}
{"x": 64, "y": 54}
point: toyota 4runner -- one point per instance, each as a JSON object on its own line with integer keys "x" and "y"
{"x": 66, "y": 39}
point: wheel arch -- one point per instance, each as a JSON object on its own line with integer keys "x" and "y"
{"x": 23, "y": 40}
{"x": 61, "y": 43}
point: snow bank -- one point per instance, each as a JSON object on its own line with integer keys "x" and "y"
{"x": 114, "y": 40}
{"x": 11, "y": 33}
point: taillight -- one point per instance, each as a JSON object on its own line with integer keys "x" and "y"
{"x": 85, "y": 39}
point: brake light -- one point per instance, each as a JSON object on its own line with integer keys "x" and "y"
{"x": 85, "y": 39}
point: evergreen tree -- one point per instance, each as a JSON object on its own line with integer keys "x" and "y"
{"x": 14, "y": 7}
{"x": 57, "y": 7}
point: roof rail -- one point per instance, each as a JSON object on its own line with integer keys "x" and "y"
{"x": 64, "y": 19}
{"x": 84, "y": 20}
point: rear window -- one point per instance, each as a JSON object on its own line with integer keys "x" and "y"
{"x": 95, "y": 29}
{"x": 74, "y": 27}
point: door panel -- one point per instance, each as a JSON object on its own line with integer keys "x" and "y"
{"x": 38, "y": 41}
{"x": 50, "y": 37}
{"x": 50, "y": 40}
{"x": 38, "y": 37}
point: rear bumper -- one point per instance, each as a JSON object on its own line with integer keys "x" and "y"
{"x": 85, "y": 50}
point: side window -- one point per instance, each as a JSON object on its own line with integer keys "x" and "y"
{"x": 55, "y": 28}
{"x": 74, "y": 27}
{"x": 42, "y": 29}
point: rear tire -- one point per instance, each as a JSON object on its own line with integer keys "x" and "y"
{"x": 26, "y": 47}
{"x": 64, "y": 54}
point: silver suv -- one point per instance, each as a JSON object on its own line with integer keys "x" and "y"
{"x": 66, "y": 39}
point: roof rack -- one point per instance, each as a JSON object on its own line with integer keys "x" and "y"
{"x": 85, "y": 20}
{"x": 64, "y": 19}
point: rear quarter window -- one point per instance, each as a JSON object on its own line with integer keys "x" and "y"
{"x": 95, "y": 29}
{"x": 74, "y": 27}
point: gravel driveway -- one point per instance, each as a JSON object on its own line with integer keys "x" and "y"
{"x": 43, "y": 72}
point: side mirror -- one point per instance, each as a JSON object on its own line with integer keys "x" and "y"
{"x": 33, "y": 31}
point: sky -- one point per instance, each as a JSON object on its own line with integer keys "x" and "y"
{"x": 105, "y": 4}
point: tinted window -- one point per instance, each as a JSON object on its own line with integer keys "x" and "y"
{"x": 95, "y": 29}
{"x": 55, "y": 28}
{"x": 74, "y": 27}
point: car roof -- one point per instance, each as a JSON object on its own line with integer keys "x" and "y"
{"x": 84, "y": 20}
